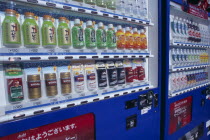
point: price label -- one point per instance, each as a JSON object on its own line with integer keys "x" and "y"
{"x": 19, "y": 106}
{"x": 33, "y": 50}
{"x": 37, "y": 103}
{"x": 68, "y": 97}
{"x": 13, "y": 50}
{"x": 51, "y": 50}
{"x": 67, "y": 51}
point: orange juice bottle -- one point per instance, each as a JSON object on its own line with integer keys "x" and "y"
{"x": 128, "y": 38}
{"x": 137, "y": 39}
{"x": 143, "y": 39}
{"x": 120, "y": 37}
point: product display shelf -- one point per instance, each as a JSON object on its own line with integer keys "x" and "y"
{"x": 14, "y": 54}
{"x": 192, "y": 45}
{"x": 30, "y": 111}
{"x": 183, "y": 68}
{"x": 176, "y": 93}
{"x": 87, "y": 10}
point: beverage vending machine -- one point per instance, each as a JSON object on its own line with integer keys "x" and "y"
{"x": 80, "y": 69}
{"x": 187, "y": 48}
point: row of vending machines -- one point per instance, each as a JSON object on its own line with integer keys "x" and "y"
{"x": 104, "y": 70}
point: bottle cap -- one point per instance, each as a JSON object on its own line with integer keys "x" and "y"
{"x": 100, "y": 24}
{"x": 110, "y": 26}
{"x": 119, "y": 27}
{"x": 89, "y": 23}
{"x": 62, "y": 19}
{"x": 10, "y": 11}
{"x": 47, "y": 17}
{"x": 29, "y": 14}
{"x": 142, "y": 31}
{"x": 135, "y": 30}
{"x": 77, "y": 21}
{"x": 127, "y": 28}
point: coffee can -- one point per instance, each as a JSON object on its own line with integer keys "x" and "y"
{"x": 51, "y": 84}
{"x": 34, "y": 86}
{"x": 65, "y": 78}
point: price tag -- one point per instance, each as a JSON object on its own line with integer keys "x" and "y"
{"x": 37, "y": 103}
{"x": 54, "y": 101}
{"x": 33, "y": 50}
{"x": 18, "y": 106}
{"x": 13, "y": 50}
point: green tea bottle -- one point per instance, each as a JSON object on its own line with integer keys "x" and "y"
{"x": 101, "y": 36}
{"x": 63, "y": 32}
{"x": 11, "y": 30}
{"x": 90, "y": 36}
{"x": 111, "y": 37}
{"x": 30, "y": 31}
{"x": 92, "y": 2}
{"x": 77, "y": 35}
{"x": 48, "y": 32}
{"x": 111, "y": 4}
{"x": 78, "y": 0}
{"x": 101, "y": 3}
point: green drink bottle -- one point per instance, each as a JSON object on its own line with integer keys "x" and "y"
{"x": 78, "y": 0}
{"x": 111, "y": 37}
{"x": 101, "y": 36}
{"x": 92, "y": 2}
{"x": 111, "y": 4}
{"x": 77, "y": 35}
{"x": 11, "y": 30}
{"x": 48, "y": 32}
{"x": 63, "y": 32}
{"x": 101, "y": 3}
{"x": 30, "y": 31}
{"x": 90, "y": 36}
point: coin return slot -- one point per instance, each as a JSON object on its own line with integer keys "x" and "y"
{"x": 52, "y": 58}
{"x": 38, "y": 112}
{"x": 19, "y": 116}
{"x": 84, "y": 102}
{"x": 70, "y": 105}
{"x": 97, "y": 99}
{"x": 35, "y": 58}
{"x": 55, "y": 108}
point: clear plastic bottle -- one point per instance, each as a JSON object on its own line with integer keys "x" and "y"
{"x": 111, "y": 4}
{"x": 144, "y": 9}
{"x": 121, "y": 6}
{"x": 136, "y": 8}
{"x": 129, "y": 7}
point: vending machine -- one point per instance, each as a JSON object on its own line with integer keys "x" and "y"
{"x": 186, "y": 64}
{"x": 80, "y": 69}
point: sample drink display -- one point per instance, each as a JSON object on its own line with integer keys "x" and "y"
{"x": 81, "y": 36}
{"x": 187, "y": 79}
{"x": 189, "y": 31}
{"x": 62, "y": 78}
{"x": 189, "y": 57}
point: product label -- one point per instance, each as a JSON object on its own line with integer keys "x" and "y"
{"x": 12, "y": 32}
{"x": 141, "y": 73}
{"x": 51, "y": 82}
{"x": 32, "y": 34}
{"x": 120, "y": 40}
{"x": 129, "y": 74}
{"x": 102, "y": 78}
{"x": 80, "y": 35}
{"x": 121, "y": 75}
{"x": 34, "y": 84}
{"x": 15, "y": 89}
{"x": 112, "y": 75}
{"x": 66, "y": 80}
{"x": 65, "y": 33}
{"x": 91, "y": 81}
{"x": 79, "y": 83}
{"x": 50, "y": 35}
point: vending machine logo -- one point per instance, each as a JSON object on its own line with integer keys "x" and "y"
{"x": 180, "y": 114}
{"x": 77, "y": 128}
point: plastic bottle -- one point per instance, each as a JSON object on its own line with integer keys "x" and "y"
{"x": 64, "y": 34}
{"x": 137, "y": 39}
{"x": 184, "y": 28}
{"x": 121, "y": 6}
{"x": 120, "y": 37}
{"x": 101, "y": 3}
{"x": 144, "y": 8}
{"x": 111, "y": 37}
{"x": 176, "y": 35}
{"x": 48, "y": 32}
{"x": 111, "y": 4}
{"x": 143, "y": 39}
{"x": 129, "y": 7}
{"x": 11, "y": 29}
{"x": 77, "y": 35}
{"x": 78, "y": 1}
{"x": 30, "y": 31}
{"x": 136, "y": 8}
{"x": 173, "y": 32}
{"x": 129, "y": 38}
{"x": 173, "y": 57}
{"x": 101, "y": 36}
{"x": 180, "y": 28}
{"x": 90, "y": 36}
{"x": 92, "y": 2}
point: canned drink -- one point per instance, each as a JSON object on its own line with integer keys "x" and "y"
{"x": 65, "y": 78}
{"x": 51, "y": 84}
{"x": 34, "y": 86}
